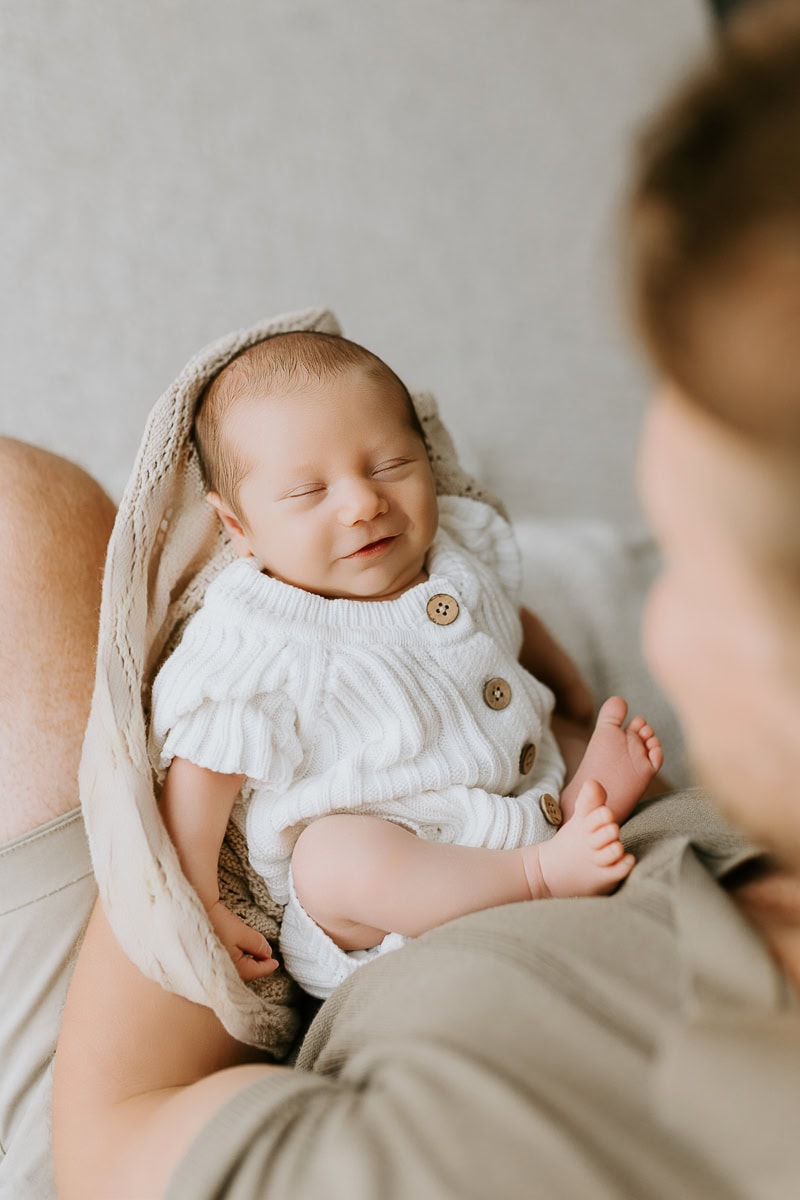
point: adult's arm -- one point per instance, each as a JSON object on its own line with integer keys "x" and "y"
{"x": 138, "y": 1073}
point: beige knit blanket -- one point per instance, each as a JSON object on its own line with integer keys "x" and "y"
{"x": 165, "y": 549}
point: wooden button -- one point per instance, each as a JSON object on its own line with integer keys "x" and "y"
{"x": 527, "y": 757}
{"x": 497, "y": 693}
{"x": 442, "y": 609}
{"x": 551, "y": 809}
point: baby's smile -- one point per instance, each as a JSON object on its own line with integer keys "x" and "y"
{"x": 374, "y": 548}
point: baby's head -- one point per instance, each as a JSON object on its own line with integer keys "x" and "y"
{"x": 314, "y": 459}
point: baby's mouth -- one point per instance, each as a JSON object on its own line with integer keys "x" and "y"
{"x": 376, "y": 547}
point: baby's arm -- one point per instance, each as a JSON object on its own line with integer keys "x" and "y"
{"x": 545, "y": 658}
{"x": 196, "y": 806}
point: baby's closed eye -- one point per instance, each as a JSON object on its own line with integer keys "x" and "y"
{"x": 304, "y": 490}
{"x": 394, "y": 465}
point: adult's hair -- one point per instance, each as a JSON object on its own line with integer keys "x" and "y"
{"x": 279, "y": 364}
{"x": 712, "y": 228}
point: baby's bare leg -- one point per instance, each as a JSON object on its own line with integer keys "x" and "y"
{"x": 624, "y": 759}
{"x": 53, "y": 536}
{"x": 361, "y": 877}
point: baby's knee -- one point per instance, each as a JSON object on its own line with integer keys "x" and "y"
{"x": 318, "y": 862}
{"x": 332, "y": 863}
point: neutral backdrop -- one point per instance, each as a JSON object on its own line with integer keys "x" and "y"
{"x": 444, "y": 174}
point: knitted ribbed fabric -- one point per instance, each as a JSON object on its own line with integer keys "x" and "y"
{"x": 165, "y": 550}
{"x": 351, "y": 706}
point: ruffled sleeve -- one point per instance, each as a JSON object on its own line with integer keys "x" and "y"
{"x": 221, "y": 699}
{"x": 481, "y": 531}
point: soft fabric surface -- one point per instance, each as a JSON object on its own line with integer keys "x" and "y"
{"x": 165, "y": 549}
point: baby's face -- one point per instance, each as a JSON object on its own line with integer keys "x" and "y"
{"x": 340, "y": 497}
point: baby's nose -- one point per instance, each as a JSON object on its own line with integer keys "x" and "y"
{"x": 361, "y": 501}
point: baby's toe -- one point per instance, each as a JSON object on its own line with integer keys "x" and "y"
{"x": 604, "y": 835}
{"x": 623, "y": 867}
{"x": 599, "y": 818}
{"x": 590, "y": 800}
{"x": 656, "y": 755}
{"x": 608, "y": 855}
{"x": 613, "y": 711}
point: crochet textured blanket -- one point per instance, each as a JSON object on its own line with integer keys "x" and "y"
{"x": 165, "y": 549}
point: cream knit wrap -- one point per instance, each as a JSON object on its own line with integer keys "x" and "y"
{"x": 166, "y": 547}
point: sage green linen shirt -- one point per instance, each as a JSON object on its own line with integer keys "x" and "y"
{"x": 642, "y": 1045}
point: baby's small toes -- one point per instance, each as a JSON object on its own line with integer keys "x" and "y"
{"x": 599, "y": 818}
{"x": 604, "y": 835}
{"x": 655, "y": 754}
{"x": 636, "y": 724}
{"x": 608, "y": 855}
{"x": 621, "y": 869}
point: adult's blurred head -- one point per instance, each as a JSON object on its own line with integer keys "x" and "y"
{"x": 712, "y": 238}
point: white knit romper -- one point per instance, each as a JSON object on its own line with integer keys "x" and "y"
{"x": 414, "y": 709}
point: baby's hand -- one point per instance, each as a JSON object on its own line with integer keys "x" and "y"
{"x": 249, "y": 949}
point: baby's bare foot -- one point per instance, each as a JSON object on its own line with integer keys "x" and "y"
{"x": 623, "y": 760}
{"x": 586, "y": 857}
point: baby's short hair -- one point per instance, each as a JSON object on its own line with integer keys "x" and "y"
{"x": 712, "y": 227}
{"x": 280, "y": 363}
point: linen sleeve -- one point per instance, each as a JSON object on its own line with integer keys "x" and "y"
{"x": 402, "y": 1121}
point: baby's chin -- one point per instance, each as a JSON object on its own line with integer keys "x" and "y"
{"x": 366, "y": 590}
{"x": 375, "y": 584}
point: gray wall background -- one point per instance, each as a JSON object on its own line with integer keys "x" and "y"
{"x": 444, "y": 174}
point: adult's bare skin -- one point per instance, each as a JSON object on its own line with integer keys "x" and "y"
{"x": 141, "y": 1068}
{"x": 53, "y": 536}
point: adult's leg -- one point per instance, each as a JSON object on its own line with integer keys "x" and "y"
{"x": 53, "y": 536}
{"x": 56, "y": 523}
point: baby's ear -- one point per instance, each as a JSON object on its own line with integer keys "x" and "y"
{"x": 232, "y": 524}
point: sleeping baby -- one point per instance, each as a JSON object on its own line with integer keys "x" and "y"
{"x": 351, "y": 688}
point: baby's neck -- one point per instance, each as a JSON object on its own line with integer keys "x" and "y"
{"x": 421, "y": 578}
